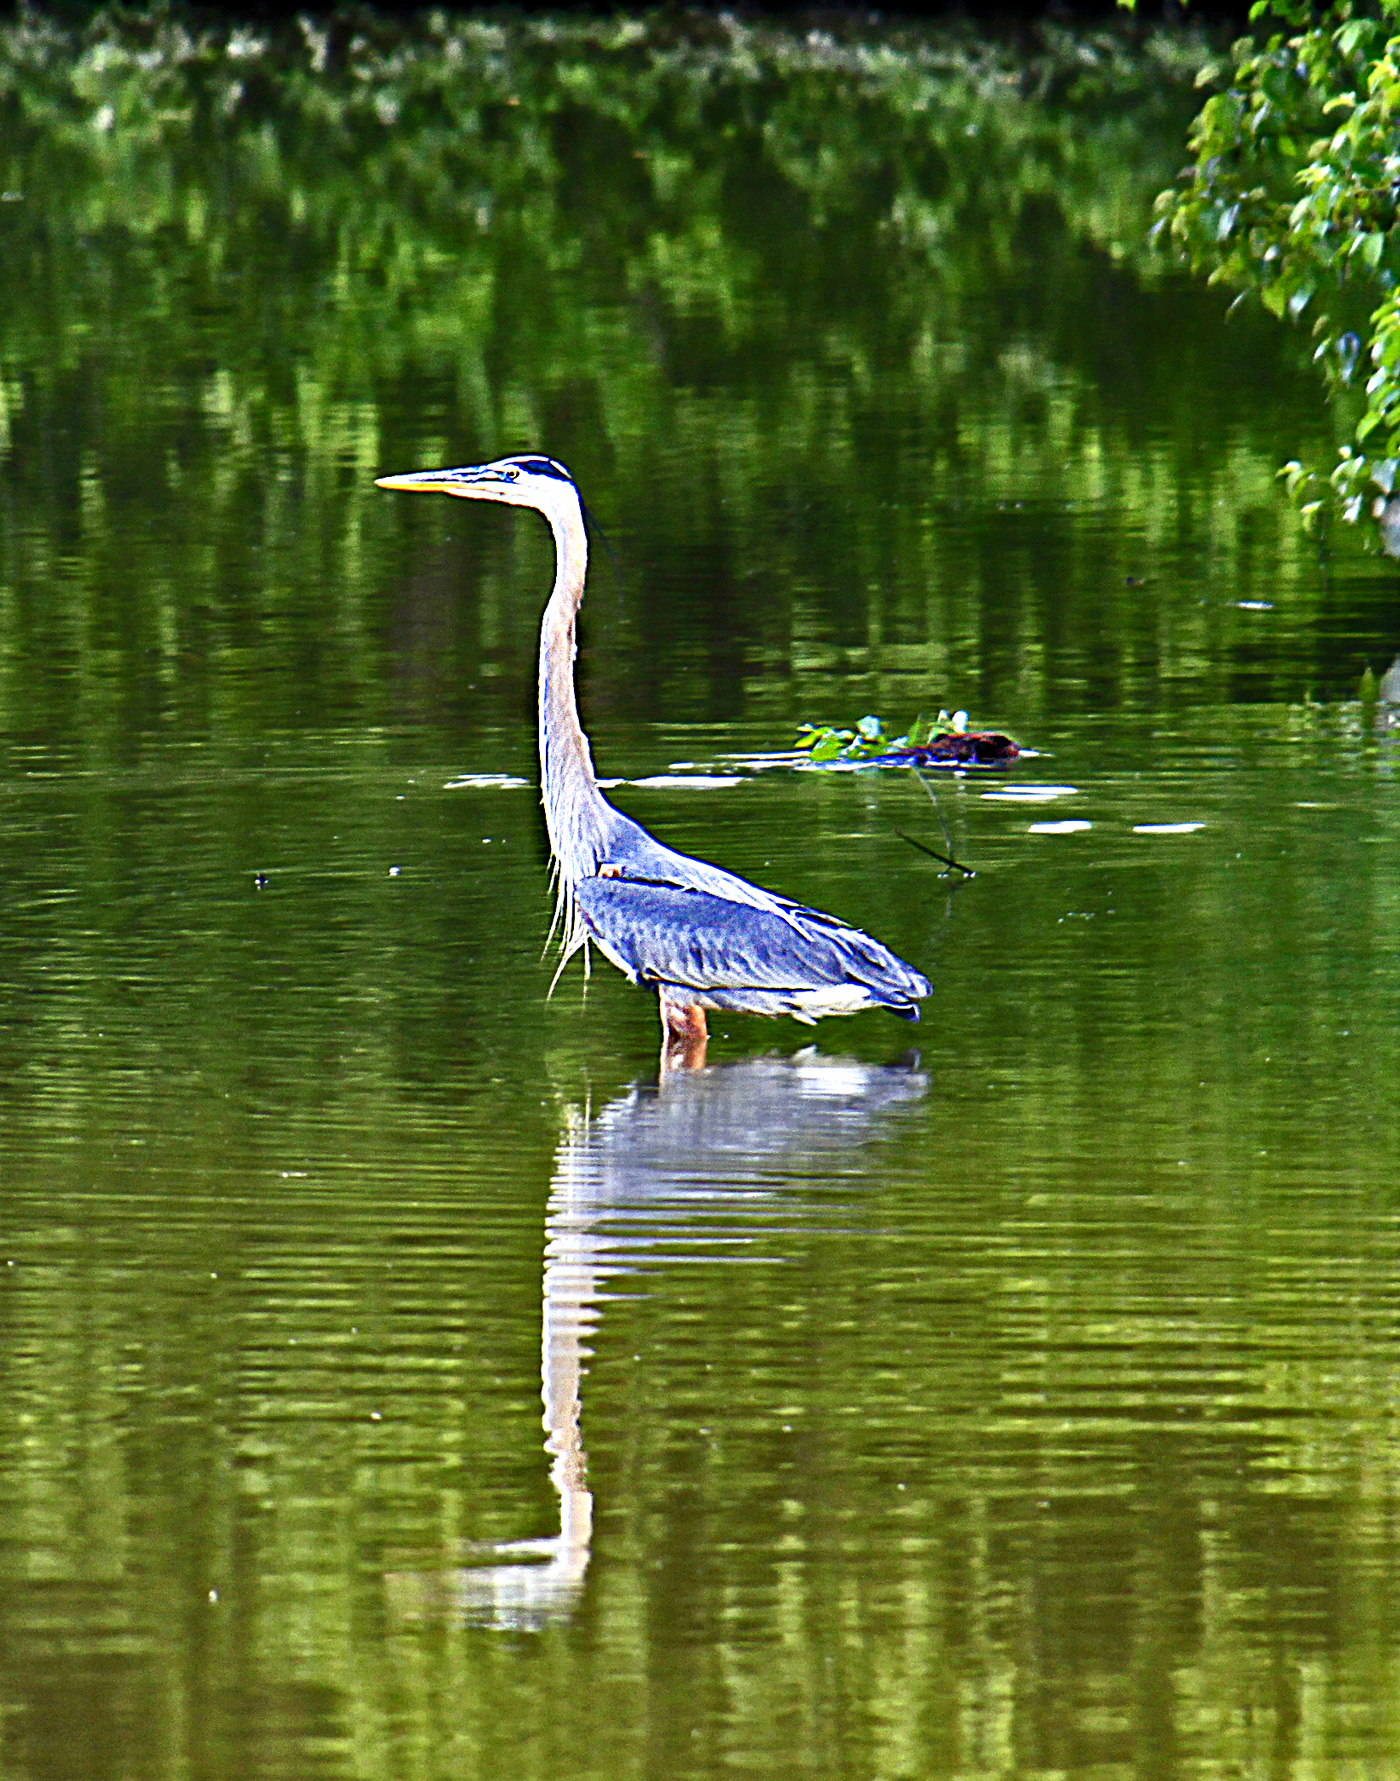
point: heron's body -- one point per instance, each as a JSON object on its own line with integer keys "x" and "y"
{"x": 705, "y": 937}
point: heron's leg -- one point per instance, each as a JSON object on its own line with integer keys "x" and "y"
{"x": 684, "y": 1033}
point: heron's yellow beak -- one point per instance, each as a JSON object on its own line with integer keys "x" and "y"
{"x": 425, "y": 482}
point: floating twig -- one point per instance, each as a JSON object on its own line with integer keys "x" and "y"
{"x": 945, "y": 859}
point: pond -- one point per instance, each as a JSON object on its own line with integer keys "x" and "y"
{"x": 1012, "y": 1395}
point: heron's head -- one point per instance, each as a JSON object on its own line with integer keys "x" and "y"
{"x": 529, "y": 481}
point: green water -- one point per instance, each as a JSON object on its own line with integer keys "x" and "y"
{"x": 1023, "y": 1404}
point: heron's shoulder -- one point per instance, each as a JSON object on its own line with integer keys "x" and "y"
{"x": 635, "y": 855}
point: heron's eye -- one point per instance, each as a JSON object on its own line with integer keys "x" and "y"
{"x": 513, "y": 475}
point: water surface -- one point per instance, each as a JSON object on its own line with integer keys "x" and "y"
{"x": 1018, "y": 1404}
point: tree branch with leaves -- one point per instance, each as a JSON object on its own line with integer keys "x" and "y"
{"x": 1293, "y": 198}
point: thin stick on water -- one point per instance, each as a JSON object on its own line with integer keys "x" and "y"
{"x": 943, "y": 858}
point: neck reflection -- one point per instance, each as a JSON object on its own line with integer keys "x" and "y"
{"x": 659, "y": 1172}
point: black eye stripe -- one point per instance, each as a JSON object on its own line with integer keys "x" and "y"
{"x": 543, "y": 467}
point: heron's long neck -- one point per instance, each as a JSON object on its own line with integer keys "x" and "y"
{"x": 576, "y": 812}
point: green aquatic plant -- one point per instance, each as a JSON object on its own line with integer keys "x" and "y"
{"x": 869, "y": 739}
{"x": 825, "y": 742}
{"x": 943, "y": 741}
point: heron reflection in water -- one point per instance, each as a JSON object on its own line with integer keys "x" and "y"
{"x": 706, "y": 938}
{"x": 687, "y": 1171}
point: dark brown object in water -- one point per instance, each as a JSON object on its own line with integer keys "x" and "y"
{"x": 970, "y": 748}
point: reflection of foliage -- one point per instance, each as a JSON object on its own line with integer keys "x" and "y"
{"x": 1292, "y": 196}
{"x": 466, "y": 112}
{"x": 405, "y": 159}
{"x": 765, "y": 292}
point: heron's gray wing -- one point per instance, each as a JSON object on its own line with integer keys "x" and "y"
{"x": 665, "y": 933}
{"x": 638, "y": 856}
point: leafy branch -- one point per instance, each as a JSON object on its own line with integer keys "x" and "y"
{"x": 1293, "y": 197}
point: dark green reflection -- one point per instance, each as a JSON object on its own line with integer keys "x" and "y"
{"x": 841, "y": 338}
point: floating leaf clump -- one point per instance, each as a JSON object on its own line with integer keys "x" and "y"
{"x": 943, "y": 741}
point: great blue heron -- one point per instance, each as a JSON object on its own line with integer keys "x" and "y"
{"x": 705, "y": 937}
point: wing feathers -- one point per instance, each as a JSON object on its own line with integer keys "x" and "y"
{"x": 667, "y": 933}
